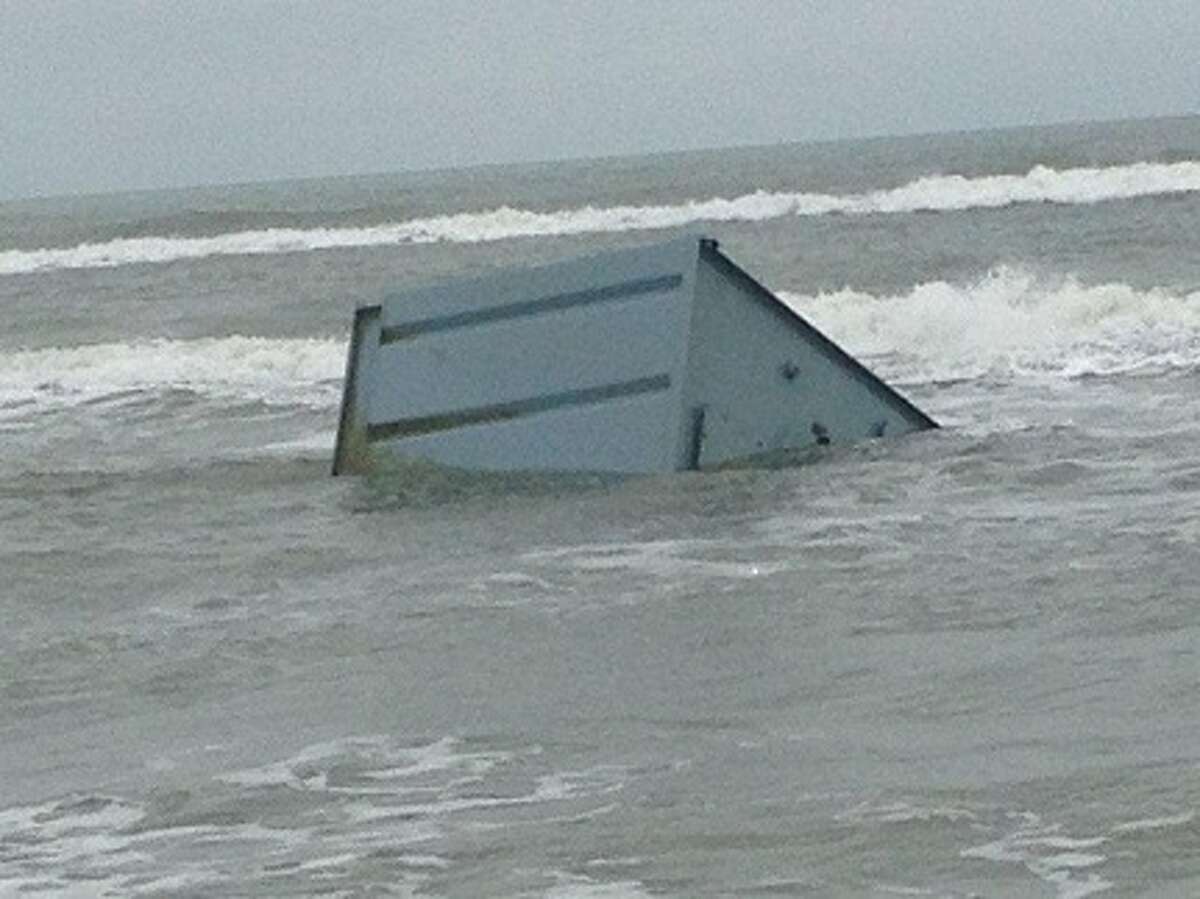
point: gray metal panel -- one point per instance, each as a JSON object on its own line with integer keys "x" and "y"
{"x": 788, "y": 317}
{"x": 515, "y": 287}
{"x": 571, "y": 366}
{"x": 520, "y": 359}
{"x": 767, "y": 381}
{"x": 627, "y": 434}
{"x": 663, "y": 357}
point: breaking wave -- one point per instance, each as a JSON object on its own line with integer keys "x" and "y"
{"x": 1007, "y": 324}
{"x": 1011, "y": 323}
{"x": 275, "y": 372}
{"x": 933, "y": 193}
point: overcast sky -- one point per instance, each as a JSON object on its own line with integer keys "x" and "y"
{"x": 100, "y": 95}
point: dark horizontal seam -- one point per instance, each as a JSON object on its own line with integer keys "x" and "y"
{"x": 430, "y": 424}
{"x": 531, "y": 307}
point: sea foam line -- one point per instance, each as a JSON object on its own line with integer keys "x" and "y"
{"x": 274, "y": 371}
{"x": 1007, "y": 324}
{"x": 934, "y": 193}
{"x": 1010, "y": 323}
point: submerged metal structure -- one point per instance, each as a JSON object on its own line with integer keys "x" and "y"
{"x": 657, "y": 358}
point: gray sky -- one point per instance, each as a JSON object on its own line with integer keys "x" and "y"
{"x": 100, "y": 95}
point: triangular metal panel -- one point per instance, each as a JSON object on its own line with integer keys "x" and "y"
{"x": 763, "y": 379}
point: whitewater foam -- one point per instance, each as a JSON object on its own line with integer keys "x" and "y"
{"x": 1008, "y": 324}
{"x": 1039, "y": 848}
{"x": 575, "y": 886}
{"x": 299, "y": 772}
{"x": 1011, "y": 324}
{"x": 935, "y": 193}
{"x": 1145, "y": 824}
{"x": 273, "y": 371}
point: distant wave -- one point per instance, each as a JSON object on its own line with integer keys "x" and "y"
{"x": 934, "y": 193}
{"x": 1011, "y": 324}
{"x": 282, "y": 372}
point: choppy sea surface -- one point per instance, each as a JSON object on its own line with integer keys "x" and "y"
{"x": 963, "y": 663}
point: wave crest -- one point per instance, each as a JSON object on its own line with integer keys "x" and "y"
{"x": 930, "y": 194}
{"x": 1011, "y": 323}
{"x": 1008, "y": 324}
{"x": 273, "y": 371}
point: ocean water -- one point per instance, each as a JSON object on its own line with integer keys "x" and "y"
{"x": 963, "y": 663}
